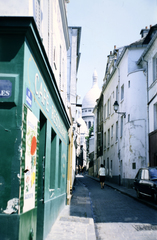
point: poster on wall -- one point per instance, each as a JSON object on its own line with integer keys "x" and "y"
{"x": 30, "y": 162}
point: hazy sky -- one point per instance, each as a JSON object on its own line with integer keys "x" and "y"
{"x": 106, "y": 23}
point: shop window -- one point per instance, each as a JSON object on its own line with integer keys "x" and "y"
{"x": 53, "y": 160}
{"x": 60, "y": 164}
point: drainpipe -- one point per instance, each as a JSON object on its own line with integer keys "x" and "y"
{"x": 147, "y": 131}
{"x": 120, "y": 170}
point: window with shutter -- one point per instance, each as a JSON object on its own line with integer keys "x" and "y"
{"x": 155, "y": 69}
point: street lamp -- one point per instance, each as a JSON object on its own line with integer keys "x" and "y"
{"x": 116, "y": 106}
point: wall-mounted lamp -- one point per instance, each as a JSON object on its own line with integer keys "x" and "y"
{"x": 116, "y": 106}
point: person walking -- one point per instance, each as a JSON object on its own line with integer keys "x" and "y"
{"x": 101, "y": 174}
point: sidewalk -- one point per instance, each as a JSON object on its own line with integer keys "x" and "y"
{"x": 76, "y": 221}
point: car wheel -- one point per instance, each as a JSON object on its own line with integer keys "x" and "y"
{"x": 138, "y": 194}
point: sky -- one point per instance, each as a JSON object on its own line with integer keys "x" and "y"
{"x": 106, "y": 23}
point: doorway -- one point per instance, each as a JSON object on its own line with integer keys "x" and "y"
{"x": 41, "y": 176}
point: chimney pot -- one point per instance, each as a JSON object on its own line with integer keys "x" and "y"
{"x": 146, "y": 27}
{"x": 114, "y": 46}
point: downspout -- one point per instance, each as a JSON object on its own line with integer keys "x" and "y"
{"x": 120, "y": 170}
{"x": 147, "y": 131}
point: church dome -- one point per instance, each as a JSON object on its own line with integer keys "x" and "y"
{"x": 89, "y": 101}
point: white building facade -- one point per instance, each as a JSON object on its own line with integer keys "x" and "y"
{"x": 125, "y": 142}
{"x": 148, "y": 61}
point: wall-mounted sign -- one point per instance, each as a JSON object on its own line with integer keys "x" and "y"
{"x": 5, "y": 89}
{"x": 28, "y": 97}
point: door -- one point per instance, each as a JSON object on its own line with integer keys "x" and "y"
{"x": 121, "y": 172}
{"x": 41, "y": 176}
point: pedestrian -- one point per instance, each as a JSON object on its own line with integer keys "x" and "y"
{"x": 101, "y": 174}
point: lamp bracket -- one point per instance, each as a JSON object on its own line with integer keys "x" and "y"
{"x": 122, "y": 113}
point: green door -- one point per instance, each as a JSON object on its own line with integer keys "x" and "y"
{"x": 41, "y": 176}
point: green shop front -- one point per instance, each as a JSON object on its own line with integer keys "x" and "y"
{"x": 33, "y": 135}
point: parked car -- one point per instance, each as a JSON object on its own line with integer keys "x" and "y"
{"x": 145, "y": 182}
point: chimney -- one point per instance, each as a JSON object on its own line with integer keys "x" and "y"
{"x": 144, "y": 32}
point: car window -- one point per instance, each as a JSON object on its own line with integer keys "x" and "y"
{"x": 153, "y": 173}
{"x": 146, "y": 174}
{"x": 142, "y": 174}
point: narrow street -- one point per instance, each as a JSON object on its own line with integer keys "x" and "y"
{"x": 117, "y": 216}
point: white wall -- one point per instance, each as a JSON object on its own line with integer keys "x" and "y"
{"x": 131, "y": 146}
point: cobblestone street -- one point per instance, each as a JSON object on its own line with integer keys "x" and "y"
{"x": 118, "y": 216}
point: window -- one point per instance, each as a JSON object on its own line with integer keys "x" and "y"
{"x": 117, "y": 93}
{"x": 38, "y": 13}
{"x": 104, "y": 111}
{"x": 111, "y": 164}
{"x": 55, "y": 58}
{"x": 112, "y": 131}
{"x": 122, "y": 92}
{"x": 128, "y": 117}
{"x": 121, "y": 126}
{"x": 155, "y": 69}
{"x": 107, "y": 166}
{"x": 60, "y": 69}
{"x": 89, "y": 124}
{"x": 104, "y": 163}
{"x": 108, "y": 137}
{"x": 155, "y": 116}
{"x": 133, "y": 165}
{"x": 108, "y": 107}
{"x": 117, "y": 131}
{"x": 105, "y": 140}
{"x": 128, "y": 84}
